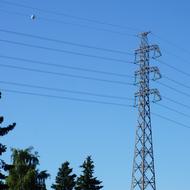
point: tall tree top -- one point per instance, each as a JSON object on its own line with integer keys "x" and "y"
{"x": 24, "y": 175}
{"x": 87, "y": 181}
{"x": 25, "y": 157}
{"x": 65, "y": 180}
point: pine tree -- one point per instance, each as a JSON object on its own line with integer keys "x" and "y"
{"x": 64, "y": 179}
{"x": 3, "y": 166}
{"x": 87, "y": 181}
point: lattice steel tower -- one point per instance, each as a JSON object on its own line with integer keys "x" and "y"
{"x": 143, "y": 175}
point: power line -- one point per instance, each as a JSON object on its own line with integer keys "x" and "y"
{"x": 70, "y": 16}
{"x": 171, "y": 120}
{"x": 174, "y": 89}
{"x": 174, "y": 68}
{"x": 170, "y": 43}
{"x": 21, "y": 59}
{"x": 65, "y": 51}
{"x": 88, "y": 101}
{"x": 70, "y": 23}
{"x": 14, "y": 13}
{"x": 65, "y": 74}
{"x": 176, "y": 102}
{"x": 64, "y": 66}
{"x": 174, "y": 110}
{"x": 64, "y": 42}
{"x": 64, "y": 90}
{"x": 177, "y": 82}
{"x": 177, "y": 56}
{"x": 64, "y": 98}
{"x": 86, "y": 26}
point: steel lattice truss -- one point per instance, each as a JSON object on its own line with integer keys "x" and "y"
{"x": 143, "y": 175}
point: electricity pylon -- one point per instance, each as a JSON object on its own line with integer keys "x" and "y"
{"x": 143, "y": 175}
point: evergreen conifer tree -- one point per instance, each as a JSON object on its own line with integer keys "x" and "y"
{"x": 3, "y": 165}
{"x": 64, "y": 179}
{"x": 87, "y": 181}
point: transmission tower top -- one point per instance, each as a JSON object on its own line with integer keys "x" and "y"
{"x": 143, "y": 34}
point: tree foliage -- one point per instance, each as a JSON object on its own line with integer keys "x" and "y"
{"x": 87, "y": 181}
{"x": 40, "y": 179}
{"x": 3, "y": 165}
{"x": 65, "y": 180}
{"x": 24, "y": 175}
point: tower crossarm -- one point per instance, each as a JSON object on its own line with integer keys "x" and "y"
{"x": 154, "y": 70}
{"x": 156, "y": 53}
{"x": 147, "y": 92}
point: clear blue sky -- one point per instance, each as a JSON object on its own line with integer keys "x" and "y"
{"x": 63, "y": 130}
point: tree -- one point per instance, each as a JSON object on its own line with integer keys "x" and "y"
{"x": 24, "y": 174}
{"x": 3, "y": 165}
{"x": 40, "y": 179}
{"x": 64, "y": 179}
{"x": 86, "y": 181}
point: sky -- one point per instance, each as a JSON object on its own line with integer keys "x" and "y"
{"x": 61, "y": 128}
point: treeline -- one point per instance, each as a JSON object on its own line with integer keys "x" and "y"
{"x": 23, "y": 172}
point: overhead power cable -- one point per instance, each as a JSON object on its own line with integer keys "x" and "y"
{"x": 69, "y": 16}
{"x": 171, "y": 120}
{"x": 89, "y": 101}
{"x": 64, "y": 90}
{"x": 69, "y": 23}
{"x": 170, "y": 43}
{"x": 181, "y": 59}
{"x": 176, "y": 102}
{"x": 65, "y": 74}
{"x": 88, "y": 27}
{"x": 63, "y": 42}
{"x": 65, "y": 51}
{"x": 173, "y": 110}
{"x": 174, "y": 68}
{"x": 64, "y": 97}
{"x": 174, "y": 89}
{"x": 64, "y": 66}
{"x": 84, "y": 93}
{"x": 176, "y": 82}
